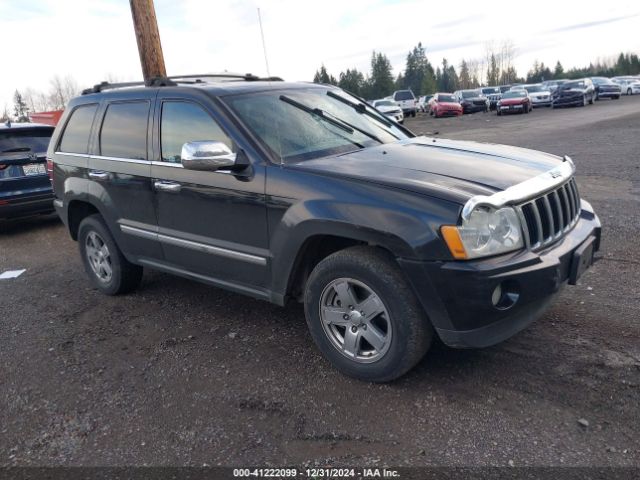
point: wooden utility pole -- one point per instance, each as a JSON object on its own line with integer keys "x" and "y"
{"x": 148, "y": 37}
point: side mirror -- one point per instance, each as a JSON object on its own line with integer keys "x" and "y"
{"x": 207, "y": 155}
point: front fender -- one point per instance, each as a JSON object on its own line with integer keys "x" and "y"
{"x": 408, "y": 229}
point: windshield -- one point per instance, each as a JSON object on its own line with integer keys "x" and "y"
{"x": 446, "y": 98}
{"x": 533, "y": 88}
{"x": 403, "y": 95}
{"x": 384, "y": 103}
{"x": 469, "y": 93}
{"x": 303, "y": 124}
{"x": 514, "y": 94}
{"x": 601, "y": 81}
{"x": 491, "y": 90}
{"x": 568, "y": 85}
{"x": 25, "y": 140}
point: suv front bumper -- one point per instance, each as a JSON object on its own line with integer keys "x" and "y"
{"x": 457, "y": 295}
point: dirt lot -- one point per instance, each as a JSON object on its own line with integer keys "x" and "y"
{"x": 184, "y": 374}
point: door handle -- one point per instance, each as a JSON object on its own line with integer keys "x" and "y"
{"x": 98, "y": 174}
{"x": 169, "y": 187}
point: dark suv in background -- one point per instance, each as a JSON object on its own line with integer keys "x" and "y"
{"x": 301, "y": 191}
{"x": 25, "y": 188}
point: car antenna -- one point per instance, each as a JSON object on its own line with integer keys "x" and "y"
{"x": 269, "y": 78}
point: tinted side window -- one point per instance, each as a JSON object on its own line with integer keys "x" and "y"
{"x": 75, "y": 138}
{"x": 124, "y": 130}
{"x": 184, "y": 122}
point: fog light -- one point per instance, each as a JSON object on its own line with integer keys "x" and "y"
{"x": 505, "y": 295}
{"x": 497, "y": 295}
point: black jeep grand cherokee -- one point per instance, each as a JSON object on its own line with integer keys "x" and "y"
{"x": 291, "y": 190}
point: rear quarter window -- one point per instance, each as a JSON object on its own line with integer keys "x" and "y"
{"x": 75, "y": 137}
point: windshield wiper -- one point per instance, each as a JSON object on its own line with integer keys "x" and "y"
{"x": 318, "y": 112}
{"x": 362, "y": 108}
{"x": 322, "y": 115}
{"x": 330, "y": 118}
{"x": 17, "y": 149}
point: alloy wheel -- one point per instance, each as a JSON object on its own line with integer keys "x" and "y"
{"x": 98, "y": 256}
{"x": 355, "y": 320}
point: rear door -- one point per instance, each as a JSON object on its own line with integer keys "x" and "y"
{"x": 212, "y": 224}
{"x": 119, "y": 173}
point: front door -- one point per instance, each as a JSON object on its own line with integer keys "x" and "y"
{"x": 212, "y": 224}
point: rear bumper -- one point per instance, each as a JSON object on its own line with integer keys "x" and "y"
{"x": 457, "y": 296}
{"x": 25, "y": 205}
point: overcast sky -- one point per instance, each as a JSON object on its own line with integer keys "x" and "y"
{"x": 91, "y": 40}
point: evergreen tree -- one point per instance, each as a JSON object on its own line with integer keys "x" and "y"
{"x": 20, "y": 109}
{"x": 352, "y": 81}
{"x": 322, "y": 76}
{"x": 464, "y": 79}
{"x": 558, "y": 72}
{"x": 381, "y": 82}
{"x": 418, "y": 72}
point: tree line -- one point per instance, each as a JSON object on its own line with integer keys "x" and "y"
{"x": 29, "y": 100}
{"x": 496, "y": 67}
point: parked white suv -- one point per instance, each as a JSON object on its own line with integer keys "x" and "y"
{"x": 407, "y": 101}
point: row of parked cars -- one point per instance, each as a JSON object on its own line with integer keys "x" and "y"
{"x": 508, "y": 98}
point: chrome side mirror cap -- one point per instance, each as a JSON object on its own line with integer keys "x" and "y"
{"x": 207, "y": 155}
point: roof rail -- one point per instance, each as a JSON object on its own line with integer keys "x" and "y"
{"x": 249, "y": 77}
{"x": 152, "y": 82}
{"x": 169, "y": 81}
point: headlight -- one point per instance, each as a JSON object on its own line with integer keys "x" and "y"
{"x": 487, "y": 232}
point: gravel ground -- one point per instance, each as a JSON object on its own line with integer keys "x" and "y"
{"x": 180, "y": 373}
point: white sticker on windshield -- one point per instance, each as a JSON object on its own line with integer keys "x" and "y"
{"x": 11, "y": 274}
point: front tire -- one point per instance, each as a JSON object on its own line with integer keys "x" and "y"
{"x": 364, "y": 316}
{"x": 107, "y": 268}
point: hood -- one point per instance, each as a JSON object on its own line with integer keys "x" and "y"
{"x": 568, "y": 92}
{"x": 449, "y": 104}
{"x": 450, "y": 169}
{"x": 544, "y": 93}
{"x": 512, "y": 101}
{"x": 473, "y": 99}
{"x": 387, "y": 108}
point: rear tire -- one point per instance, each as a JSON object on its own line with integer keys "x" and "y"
{"x": 107, "y": 268}
{"x": 383, "y": 332}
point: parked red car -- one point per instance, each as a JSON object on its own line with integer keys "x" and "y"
{"x": 444, "y": 105}
{"x": 514, "y": 101}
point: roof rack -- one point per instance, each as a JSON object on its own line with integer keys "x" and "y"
{"x": 170, "y": 81}
{"x": 249, "y": 77}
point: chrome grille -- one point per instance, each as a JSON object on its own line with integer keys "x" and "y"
{"x": 548, "y": 217}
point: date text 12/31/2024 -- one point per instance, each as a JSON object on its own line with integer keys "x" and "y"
{"x": 315, "y": 473}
